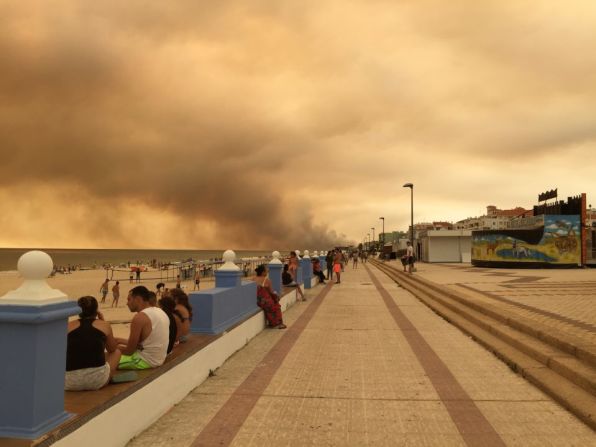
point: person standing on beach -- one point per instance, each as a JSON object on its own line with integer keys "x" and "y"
{"x": 197, "y": 280}
{"x": 104, "y": 290}
{"x": 116, "y": 294}
{"x": 147, "y": 344}
{"x": 178, "y": 281}
{"x": 138, "y": 274}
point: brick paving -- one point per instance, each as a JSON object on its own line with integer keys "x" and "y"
{"x": 354, "y": 377}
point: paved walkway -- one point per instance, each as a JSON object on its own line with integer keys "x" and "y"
{"x": 365, "y": 363}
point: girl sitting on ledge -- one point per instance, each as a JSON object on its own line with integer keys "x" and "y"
{"x": 267, "y": 299}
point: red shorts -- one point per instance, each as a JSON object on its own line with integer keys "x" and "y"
{"x": 336, "y": 268}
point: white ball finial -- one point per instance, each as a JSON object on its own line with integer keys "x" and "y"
{"x": 316, "y": 254}
{"x": 306, "y": 254}
{"x": 35, "y": 266}
{"x": 229, "y": 257}
{"x": 297, "y": 253}
{"x": 275, "y": 259}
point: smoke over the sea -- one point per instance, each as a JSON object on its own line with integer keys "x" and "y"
{"x": 281, "y": 124}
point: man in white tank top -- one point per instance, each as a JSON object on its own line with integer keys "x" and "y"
{"x": 147, "y": 343}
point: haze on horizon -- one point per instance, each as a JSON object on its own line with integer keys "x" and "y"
{"x": 284, "y": 124}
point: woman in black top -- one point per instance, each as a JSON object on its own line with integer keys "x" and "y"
{"x": 168, "y": 305}
{"x": 88, "y": 366}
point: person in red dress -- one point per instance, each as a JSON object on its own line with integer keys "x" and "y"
{"x": 267, "y": 299}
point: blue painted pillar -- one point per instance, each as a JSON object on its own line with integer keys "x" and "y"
{"x": 228, "y": 278}
{"x": 275, "y": 276}
{"x": 228, "y": 303}
{"x": 306, "y": 271}
{"x": 275, "y": 269}
{"x": 33, "y": 327}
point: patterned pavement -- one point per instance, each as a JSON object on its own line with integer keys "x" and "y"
{"x": 368, "y": 364}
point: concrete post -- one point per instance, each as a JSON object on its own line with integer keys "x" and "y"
{"x": 33, "y": 326}
{"x": 275, "y": 269}
{"x": 229, "y": 274}
{"x": 306, "y": 269}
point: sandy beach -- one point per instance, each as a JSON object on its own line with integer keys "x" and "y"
{"x": 88, "y": 282}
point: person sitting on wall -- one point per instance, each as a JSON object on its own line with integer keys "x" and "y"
{"x": 288, "y": 281}
{"x": 267, "y": 299}
{"x": 183, "y": 313}
{"x": 168, "y": 305}
{"x": 88, "y": 366}
{"x": 147, "y": 343}
{"x": 316, "y": 270}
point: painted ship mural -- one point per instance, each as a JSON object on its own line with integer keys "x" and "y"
{"x": 557, "y": 243}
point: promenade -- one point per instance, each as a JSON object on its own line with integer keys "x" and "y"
{"x": 366, "y": 363}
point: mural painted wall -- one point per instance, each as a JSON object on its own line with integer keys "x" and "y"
{"x": 557, "y": 242}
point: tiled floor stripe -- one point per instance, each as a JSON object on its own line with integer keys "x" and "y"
{"x": 224, "y": 426}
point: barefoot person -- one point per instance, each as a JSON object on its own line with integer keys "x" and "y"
{"x": 116, "y": 294}
{"x": 87, "y": 366}
{"x": 104, "y": 290}
{"x": 267, "y": 299}
{"x": 147, "y": 344}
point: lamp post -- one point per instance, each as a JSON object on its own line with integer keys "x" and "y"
{"x": 411, "y": 186}
{"x": 373, "y": 238}
{"x": 383, "y": 246}
{"x": 368, "y": 234}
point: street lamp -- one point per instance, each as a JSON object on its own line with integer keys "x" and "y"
{"x": 368, "y": 234}
{"x": 373, "y": 239}
{"x": 411, "y": 186}
{"x": 383, "y": 219}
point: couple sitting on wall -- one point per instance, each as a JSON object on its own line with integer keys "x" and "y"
{"x": 93, "y": 353}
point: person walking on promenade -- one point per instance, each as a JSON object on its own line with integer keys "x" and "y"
{"x": 104, "y": 290}
{"x": 178, "y": 282}
{"x": 329, "y": 262}
{"x": 355, "y": 260}
{"x": 267, "y": 299}
{"x": 116, "y": 294}
{"x": 410, "y": 255}
{"x": 147, "y": 344}
{"x": 337, "y": 265}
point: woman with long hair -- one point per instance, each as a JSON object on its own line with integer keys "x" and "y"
{"x": 267, "y": 299}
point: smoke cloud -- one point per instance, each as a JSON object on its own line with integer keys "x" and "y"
{"x": 281, "y": 124}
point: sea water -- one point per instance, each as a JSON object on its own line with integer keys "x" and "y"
{"x": 89, "y": 258}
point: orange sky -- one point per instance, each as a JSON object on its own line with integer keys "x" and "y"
{"x": 285, "y": 124}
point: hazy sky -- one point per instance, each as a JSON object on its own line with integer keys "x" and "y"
{"x": 285, "y": 124}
